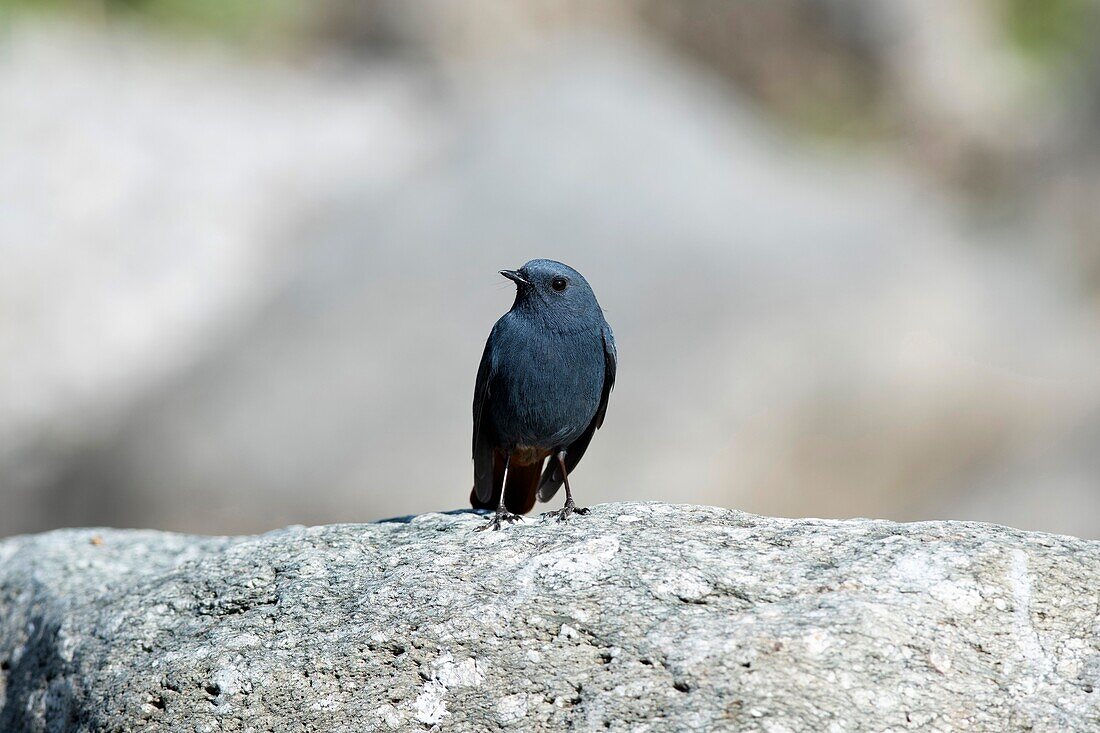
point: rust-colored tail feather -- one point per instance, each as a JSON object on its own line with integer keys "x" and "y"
{"x": 520, "y": 486}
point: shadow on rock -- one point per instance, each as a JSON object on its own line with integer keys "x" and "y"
{"x": 36, "y": 686}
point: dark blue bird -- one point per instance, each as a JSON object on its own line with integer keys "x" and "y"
{"x": 541, "y": 391}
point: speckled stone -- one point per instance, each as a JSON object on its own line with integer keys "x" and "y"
{"x": 636, "y": 617}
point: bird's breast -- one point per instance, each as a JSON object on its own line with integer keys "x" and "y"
{"x": 546, "y": 388}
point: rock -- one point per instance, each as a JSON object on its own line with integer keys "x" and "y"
{"x": 666, "y": 616}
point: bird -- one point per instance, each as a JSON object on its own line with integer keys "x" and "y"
{"x": 541, "y": 392}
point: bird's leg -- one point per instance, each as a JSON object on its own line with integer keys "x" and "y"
{"x": 570, "y": 508}
{"x": 502, "y": 513}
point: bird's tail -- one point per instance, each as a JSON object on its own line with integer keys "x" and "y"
{"x": 520, "y": 486}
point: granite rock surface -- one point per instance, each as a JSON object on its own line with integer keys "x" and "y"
{"x": 636, "y": 617}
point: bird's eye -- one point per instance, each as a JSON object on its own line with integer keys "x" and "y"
{"x": 558, "y": 284}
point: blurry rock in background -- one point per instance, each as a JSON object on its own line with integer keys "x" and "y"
{"x": 845, "y": 247}
{"x": 151, "y": 197}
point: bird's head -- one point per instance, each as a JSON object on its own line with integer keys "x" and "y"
{"x": 555, "y": 292}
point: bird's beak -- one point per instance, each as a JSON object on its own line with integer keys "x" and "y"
{"x": 514, "y": 276}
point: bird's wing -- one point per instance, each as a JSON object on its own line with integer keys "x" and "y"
{"x": 611, "y": 364}
{"x": 481, "y": 388}
{"x": 482, "y": 448}
{"x": 552, "y": 477}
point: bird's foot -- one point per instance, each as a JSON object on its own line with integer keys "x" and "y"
{"x": 567, "y": 511}
{"x": 499, "y": 517}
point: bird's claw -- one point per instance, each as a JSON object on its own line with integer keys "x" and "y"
{"x": 500, "y": 516}
{"x": 567, "y": 511}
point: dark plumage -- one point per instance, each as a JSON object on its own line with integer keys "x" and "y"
{"x": 541, "y": 391}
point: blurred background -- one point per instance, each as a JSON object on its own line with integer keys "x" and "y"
{"x": 249, "y": 252}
